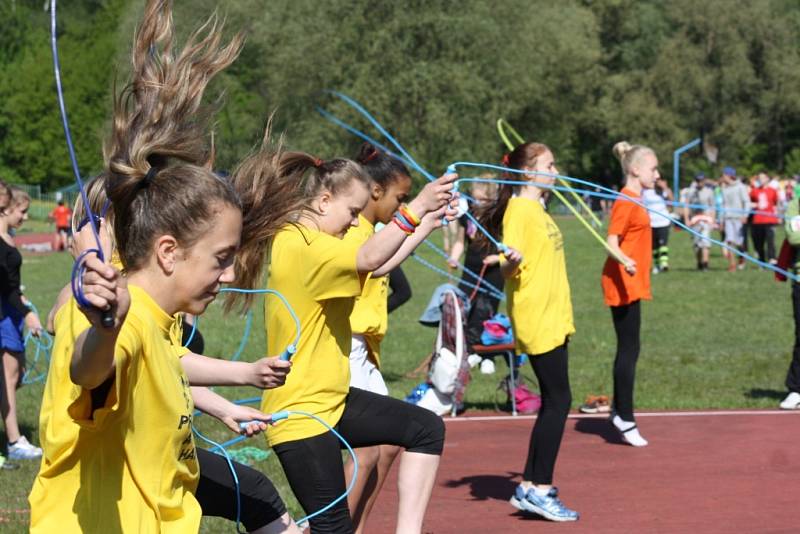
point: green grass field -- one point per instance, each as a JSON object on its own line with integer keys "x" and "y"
{"x": 709, "y": 340}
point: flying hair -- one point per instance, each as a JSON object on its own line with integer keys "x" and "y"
{"x": 275, "y": 187}
{"x": 159, "y": 154}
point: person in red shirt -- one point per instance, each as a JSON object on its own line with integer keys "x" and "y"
{"x": 62, "y": 216}
{"x": 626, "y": 277}
{"x": 765, "y": 200}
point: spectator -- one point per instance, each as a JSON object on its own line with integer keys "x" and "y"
{"x": 660, "y": 221}
{"x": 765, "y": 200}
{"x": 61, "y": 215}
{"x": 698, "y": 214}
{"x": 735, "y": 206}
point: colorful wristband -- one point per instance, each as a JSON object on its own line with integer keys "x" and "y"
{"x": 410, "y": 215}
{"x": 407, "y": 229}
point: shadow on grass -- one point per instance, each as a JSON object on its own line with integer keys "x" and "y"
{"x": 599, "y": 427}
{"x": 758, "y": 393}
{"x": 485, "y": 487}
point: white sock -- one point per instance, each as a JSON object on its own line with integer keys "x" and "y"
{"x": 629, "y": 432}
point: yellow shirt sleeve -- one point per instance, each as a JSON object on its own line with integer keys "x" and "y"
{"x": 81, "y": 410}
{"x": 331, "y": 268}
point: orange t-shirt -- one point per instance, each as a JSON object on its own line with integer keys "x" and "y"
{"x": 61, "y": 216}
{"x": 632, "y": 224}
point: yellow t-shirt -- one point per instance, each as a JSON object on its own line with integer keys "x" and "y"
{"x": 370, "y": 316}
{"x": 538, "y": 294}
{"x": 128, "y": 466}
{"x": 316, "y": 272}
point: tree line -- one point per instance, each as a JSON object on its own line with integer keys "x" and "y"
{"x": 577, "y": 75}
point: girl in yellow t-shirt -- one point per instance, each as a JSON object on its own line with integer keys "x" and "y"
{"x": 321, "y": 274}
{"x": 390, "y": 187}
{"x": 541, "y": 314}
{"x": 178, "y": 227}
{"x": 262, "y": 509}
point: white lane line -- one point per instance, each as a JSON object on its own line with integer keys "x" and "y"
{"x": 638, "y": 414}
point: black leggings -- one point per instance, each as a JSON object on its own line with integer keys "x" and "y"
{"x": 551, "y": 369}
{"x": 627, "y": 323}
{"x": 216, "y": 492}
{"x": 793, "y": 375}
{"x": 314, "y": 466}
{"x": 764, "y": 241}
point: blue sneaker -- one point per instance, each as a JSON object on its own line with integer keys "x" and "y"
{"x": 548, "y": 506}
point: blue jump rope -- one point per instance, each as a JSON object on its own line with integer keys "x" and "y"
{"x": 610, "y": 193}
{"x": 290, "y": 350}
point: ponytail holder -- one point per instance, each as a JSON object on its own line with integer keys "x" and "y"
{"x": 372, "y": 155}
{"x": 149, "y": 177}
{"x": 505, "y": 160}
{"x": 318, "y": 163}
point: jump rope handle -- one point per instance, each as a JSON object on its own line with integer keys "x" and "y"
{"x": 277, "y": 416}
{"x": 287, "y": 354}
{"x": 450, "y": 170}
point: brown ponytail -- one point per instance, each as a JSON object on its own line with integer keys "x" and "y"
{"x": 491, "y": 217}
{"x": 158, "y": 155}
{"x": 275, "y": 186}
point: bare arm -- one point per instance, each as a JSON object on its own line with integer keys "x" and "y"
{"x": 510, "y": 267}
{"x": 61, "y": 299}
{"x": 265, "y": 373}
{"x": 93, "y": 357}
{"x": 380, "y": 248}
{"x": 429, "y": 223}
{"x": 229, "y": 413}
{"x": 628, "y": 263}
{"x": 458, "y": 247}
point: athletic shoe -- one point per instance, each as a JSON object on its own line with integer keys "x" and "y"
{"x": 473, "y": 360}
{"x": 655, "y": 270}
{"x": 548, "y": 506}
{"x": 487, "y": 367}
{"x": 23, "y": 450}
{"x": 791, "y": 402}
{"x": 595, "y": 404}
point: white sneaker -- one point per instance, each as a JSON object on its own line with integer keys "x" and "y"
{"x": 473, "y": 360}
{"x": 791, "y": 402}
{"x": 23, "y": 450}
{"x": 487, "y": 367}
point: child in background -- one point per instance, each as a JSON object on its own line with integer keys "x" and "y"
{"x": 16, "y": 315}
{"x": 540, "y": 307}
{"x": 481, "y": 259}
{"x": 625, "y": 284}
{"x": 321, "y": 274}
{"x": 61, "y": 215}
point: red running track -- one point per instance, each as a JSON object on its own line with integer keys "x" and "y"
{"x": 712, "y": 472}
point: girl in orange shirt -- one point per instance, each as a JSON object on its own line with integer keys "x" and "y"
{"x": 626, "y": 283}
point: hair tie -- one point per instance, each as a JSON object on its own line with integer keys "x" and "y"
{"x": 149, "y": 177}
{"x": 318, "y": 162}
{"x": 372, "y": 155}
{"x": 505, "y": 160}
